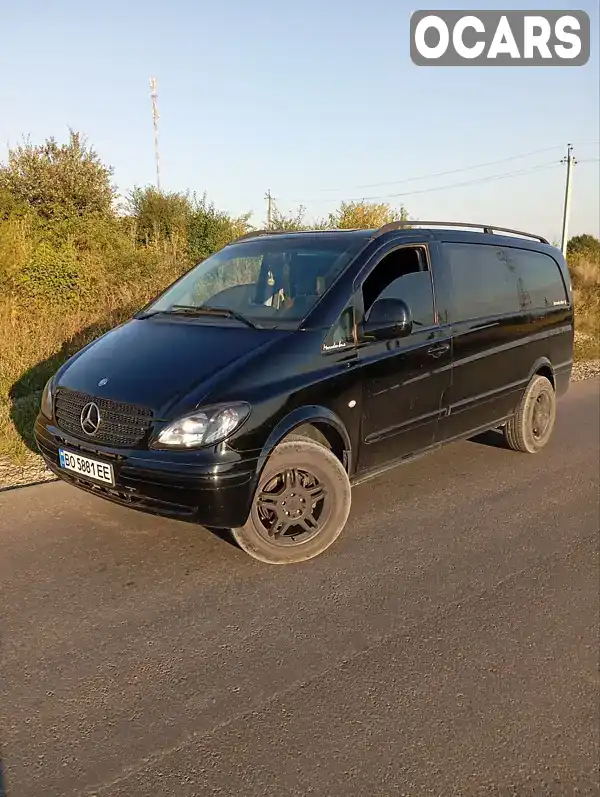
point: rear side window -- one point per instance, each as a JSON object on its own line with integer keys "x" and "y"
{"x": 484, "y": 282}
{"x": 539, "y": 279}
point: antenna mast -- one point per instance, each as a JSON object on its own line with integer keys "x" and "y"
{"x": 154, "y": 96}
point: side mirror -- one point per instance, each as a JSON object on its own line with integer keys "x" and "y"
{"x": 388, "y": 318}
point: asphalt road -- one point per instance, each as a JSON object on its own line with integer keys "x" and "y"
{"x": 447, "y": 644}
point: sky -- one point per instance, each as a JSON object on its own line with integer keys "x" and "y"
{"x": 316, "y": 101}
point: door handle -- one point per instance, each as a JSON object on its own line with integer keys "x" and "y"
{"x": 438, "y": 349}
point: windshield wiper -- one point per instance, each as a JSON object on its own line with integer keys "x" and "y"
{"x": 224, "y": 312}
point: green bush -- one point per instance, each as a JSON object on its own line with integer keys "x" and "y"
{"x": 54, "y": 275}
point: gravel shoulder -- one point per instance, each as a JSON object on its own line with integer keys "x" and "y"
{"x": 33, "y": 471}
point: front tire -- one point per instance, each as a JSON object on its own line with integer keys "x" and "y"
{"x": 530, "y": 429}
{"x": 300, "y": 506}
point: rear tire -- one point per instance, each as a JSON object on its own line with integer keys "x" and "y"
{"x": 300, "y": 506}
{"x": 530, "y": 429}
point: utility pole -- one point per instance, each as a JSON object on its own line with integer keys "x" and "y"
{"x": 570, "y": 161}
{"x": 269, "y": 199}
{"x": 154, "y": 96}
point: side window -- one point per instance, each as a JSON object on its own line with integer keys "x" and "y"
{"x": 402, "y": 275}
{"x": 539, "y": 280}
{"x": 483, "y": 279}
{"x": 341, "y": 333}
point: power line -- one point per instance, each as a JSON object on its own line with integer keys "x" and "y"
{"x": 449, "y": 172}
{"x": 477, "y": 181}
{"x": 446, "y": 173}
{"x": 491, "y": 178}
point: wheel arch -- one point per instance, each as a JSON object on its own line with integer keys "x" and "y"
{"x": 315, "y": 423}
{"x": 543, "y": 367}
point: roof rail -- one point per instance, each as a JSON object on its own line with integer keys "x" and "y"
{"x": 252, "y": 234}
{"x": 257, "y": 233}
{"x": 489, "y": 229}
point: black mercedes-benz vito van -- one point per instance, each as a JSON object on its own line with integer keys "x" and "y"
{"x": 256, "y": 389}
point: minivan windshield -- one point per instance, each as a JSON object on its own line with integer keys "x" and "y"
{"x": 271, "y": 281}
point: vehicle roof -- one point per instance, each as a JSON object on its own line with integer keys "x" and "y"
{"x": 482, "y": 234}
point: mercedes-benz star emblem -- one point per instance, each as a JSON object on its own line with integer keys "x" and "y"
{"x": 90, "y": 418}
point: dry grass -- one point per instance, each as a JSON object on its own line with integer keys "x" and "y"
{"x": 36, "y": 338}
{"x": 585, "y": 274}
{"x": 35, "y": 342}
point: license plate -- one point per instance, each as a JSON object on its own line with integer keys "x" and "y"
{"x": 84, "y": 466}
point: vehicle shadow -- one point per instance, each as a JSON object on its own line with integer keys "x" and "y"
{"x": 25, "y": 394}
{"x": 224, "y": 535}
{"x": 494, "y": 438}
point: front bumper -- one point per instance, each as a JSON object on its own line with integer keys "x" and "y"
{"x": 206, "y": 487}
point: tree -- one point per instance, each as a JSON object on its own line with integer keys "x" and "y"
{"x": 210, "y": 229}
{"x": 11, "y": 207}
{"x": 350, "y": 215}
{"x": 365, "y": 215}
{"x": 185, "y": 222}
{"x": 59, "y": 180}
{"x": 586, "y": 245}
{"x": 291, "y": 221}
{"x": 159, "y": 216}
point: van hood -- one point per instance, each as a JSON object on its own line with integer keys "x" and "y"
{"x": 154, "y": 362}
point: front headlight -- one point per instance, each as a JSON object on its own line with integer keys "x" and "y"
{"x": 47, "y": 397}
{"x": 203, "y": 427}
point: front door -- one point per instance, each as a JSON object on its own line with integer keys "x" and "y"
{"x": 404, "y": 380}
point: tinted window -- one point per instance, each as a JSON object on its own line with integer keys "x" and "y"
{"x": 402, "y": 275}
{"x": 414, "y": 289}
{"x": 539, "y": 281}
{"x": 484, "y": 281}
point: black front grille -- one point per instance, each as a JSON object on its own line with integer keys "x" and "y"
{"x": 120, "y": 424}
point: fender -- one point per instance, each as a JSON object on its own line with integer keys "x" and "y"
{"x": 298, "y": 417}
